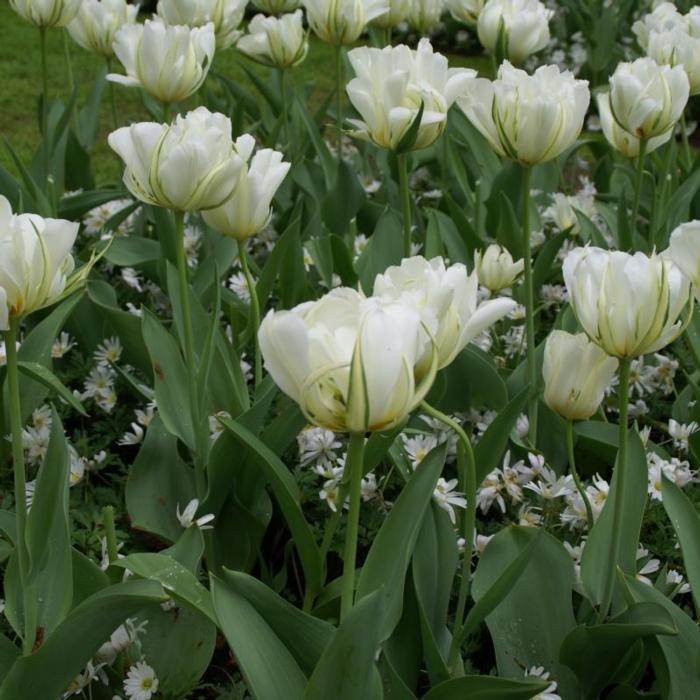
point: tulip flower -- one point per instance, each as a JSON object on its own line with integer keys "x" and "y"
{"x": 524, "y": 23}
{"x": 348, "y": 361}
{"x": 629, "y": 305}
{"x": 495, "y": 268}
{"x": 280, "y": 42}
{"x": 247, "y": 210}
{"x": 665, "y": 17}
{"x": 276, "y": 7}
{"x": 340, "y": 22}
{"x": 466, "y": 11}
{"x": 46, "y": 13}
{"x": 35, "y": 263}
{"x": 424, "y": 15}
{"x": 447, "y": 301}
{"x": 677, "y": 48}
{"x": 623, "y": 141}
{"x": 398, "y": 11}
{"x": 225, "y": 15}
{"x": 187, "y": 165}
{"x": 390, "y": 86}
{"x": 168, "y": 62}
{"x": 97, "y": 22}
{"x": 576, "y": 374}
{"x": 684, "y": 250}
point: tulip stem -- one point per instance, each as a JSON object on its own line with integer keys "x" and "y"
{"x": 254, "y": 310}
{"x": 686, "y": 143}
{"x": 620, "y": 469}
{"x": 45, "y": 145}
{"x": 20, "y": 485}
{"x": 401, "y": 161}
{"x": 577, "y": 479}
{"x": 285, "y": 111}
{"x": 354, "y": 464}
{"x": 638, "y": 186}
{"x": 339, "y": 84}
{"x": 529, "y": 304}
{"x": 467, "y": 477}
{"x": 110, "y": 533}
{"x": 112, "y": 100}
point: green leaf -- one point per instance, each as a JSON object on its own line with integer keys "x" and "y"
{"x": 384, "y": 248}
{"x": 346, "y": 669}
{"x": 45, "y": 376}
{"x": 269, "y": 669}
{"x": 686, "y": 523}
{"x": 132, "y": 251}
{"x": 486, "y": 688}
{"x": 390, "y": 553}
{"x": 343, "y": 200}
{"x": 408, "y": 140}
{"x": 8, "y": 655}
{"x": 48, "y": 671}
{"x": 287, "y": 494}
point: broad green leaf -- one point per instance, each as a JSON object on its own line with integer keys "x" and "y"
{"x": 383, "y": 249}
{"x": 132, "y": 251}
{"x": 486, "y": 688}
{"x": 269, "y": 669}
{"x": 45, "y": 376}
{"x": 343, "y": 201}
{"x": 8, "y": 655}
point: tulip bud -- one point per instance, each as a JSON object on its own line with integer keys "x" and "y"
{"x": 276, "y": 7}
{"x": 525, "y": 24}
{"x": 629, "y": 305}
{"x": 576, "y": 374}
{"x": 341, "y": 22}
{"x": 391, "y": 85}
{"x": 98, "y": 21}
{"x": 466, "y": 11}
{"x": 35, "y": 262}
{"x": 665, "y": 17}
{"x": 447, "y": 301}
{"x": 646, "y": 99}
{"x": 495, "y": 268}
{"x": 46, "y": 13}
{"x": 278, "y": 42}
{"x": 225, "y": 15}
{"x": 684, "y": 249}
{"x": 677, "y": 48}
{"x": 398, "y": 11}
{"x": 528, "y": 118}
{"x": 620, "y": 139}
{"x": 424, "y": 15}
{"x": 168, "y": 62}
{"x": 349, "y": 362}
{"x": 190, "y": 164}
{"x": 248, "y": 209}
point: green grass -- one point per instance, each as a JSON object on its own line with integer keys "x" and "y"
{"x": 20, "y": 78}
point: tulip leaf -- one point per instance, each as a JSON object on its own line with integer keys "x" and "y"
{"x": 383, "y": 249}
{"x": 408, "y": 140}
{"x": 487, "y": 688}
{"x": 256, "y": 647}
{"x": 686, "y": 524}
{"x": 45, "y": 376}
{"x": 343, "y": 201}
{"x": 131, "y": 251}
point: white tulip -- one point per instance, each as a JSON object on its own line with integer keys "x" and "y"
{"x": 349, "y": 362}
{"x": 398, "y": 11}
{"x": 189, "y": 164}
{"x": 447, "y": 301}
{"x": 647, "y": 99}
{"x": 35, "y": 262}
{"x": 280, "y": 42}
{"x": 277, "y": 7}
{"x": 341, "y": 22}
{"x": 629, "y": 305}
{"x": 677, "y": 48}
{"x": 424, "y": 15}
{"x": 576, "y": 374}
{"x": 665, "y": 17}
{"x": 617, "y": 137}
{"x": 693, "y": 19}
{"x": 466, "y": 11}
{"x": 247, "y": 211}
{"x": 684, "y": 249}
{"x": 97, "y": 22}
{"x": 528, "y": 118}
{"x": 225, "y": 15}
{"x": 525, "y": 24}
{"x": 495, "y": 268}
{"x": 46, "y": 13}
{"x": 390, "y": 86}
{"x": 168, "y": 62}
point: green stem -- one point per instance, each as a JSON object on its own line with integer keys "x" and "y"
{"x": 167, "y": 113}
{"x": 46, "y": 145}
{"x": 254, "y": 310}
{"x": 354, "y": 462}
{"x": 529, "y": 304}
{"x": 467, "y": 478}
{"x": 110, "y": 533}
{"x": 577, "y": 479}
{"x": 401, "y": 161}
{"x": 638, "y": 185}
{"x": 686, "y": 144}
{"x": 20, "y": 486}
{"x": 339, "y": 86}
{"x": 620, "y": 468}
{"x": 285, "y": 109}
{"x": 112, "y": 100}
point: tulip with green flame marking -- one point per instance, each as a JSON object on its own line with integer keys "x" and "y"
{"x": 684, "y": 249}
{"x": 277, "y": 7}
{"x": 46, "y": 13}
{"x": 424, "y": 15}
{"x": 466, "y": 11}
{"x": 225, "y": 15}
{"x": 97, "y": 23}
{"x": 398, "y": 11}
{"x": 340, "y": 22}
{"x": 280, "y": 42}
{"x": 496, "y": 269}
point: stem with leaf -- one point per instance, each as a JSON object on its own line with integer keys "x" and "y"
{"x": 254, "y": 310}
{"x": 112, "y": 100}
{"x": 686, "y": 144}
{"x": 639, "y": 177}
{"x": 339, "y": 86}
{"x": 110, "y": 533}
{"x": 46, "y": 145}
{"x": 354, "y": 463}
{"x": 402, "y": 163}
{"x": 575, "y": 475}
{"x": 285, "y": 108}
